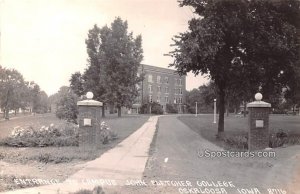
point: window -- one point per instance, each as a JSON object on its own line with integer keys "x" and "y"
{"x": 158, "y": 79}
{"x": 180, "y": 82}
{"x": 166, "y": 90}
{"x": 166, "y": 80}
{"x": 175, "y": 100}
{"x": 150, "y": 78}
{"x": 158, "y": 89}
{"x": 180, "y": 91}
{"x": 175, "y": 90}
{"x": 150, "y": 98}
{"x": 166, "y": 99}
{"x": 150, "y": 88}
{"x": 180, "y": 100}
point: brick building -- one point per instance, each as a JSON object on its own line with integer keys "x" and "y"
{"x": 163, "y": 86}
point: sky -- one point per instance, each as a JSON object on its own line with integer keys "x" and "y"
{"x": 45, "y": 40}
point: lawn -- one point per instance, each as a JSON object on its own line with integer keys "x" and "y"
{"x": 238, "y": 126}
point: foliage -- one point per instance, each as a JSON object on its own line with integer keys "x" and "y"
{"x": 204, "y": 96}
{"x": 114, "y": 56}
{"x": 155, "y": 108}
{"x": 106, "y": 134}
{"x": 76, "y": 84}
{"x": 237, "y": 142}
{"x": 241, "y": 45}
{"x": 17, "y": 93}
{"x": 170, "y": 108}
{"x": 12, "y": 87}
{"x": 8, "y": 183}
{"x": 280, "y": 138}
{"x": 61, "y": 135}
{"x": 96, "y": 190}
{"x": 144, "y": 109}
{"x": 67, "y": 105}
{"x": 48, "y": 158}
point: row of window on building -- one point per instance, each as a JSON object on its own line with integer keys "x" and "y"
{"x": 166, "y": 80}
{"x": 158, "y": 99}
{"x": 176, "y": 90}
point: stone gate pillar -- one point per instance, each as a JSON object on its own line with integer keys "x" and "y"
{"x": 88, "y": 119}
{"x": 258, "y": 135}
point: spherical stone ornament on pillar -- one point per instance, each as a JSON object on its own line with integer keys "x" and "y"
{"x": 258, "y": 96}
{"x": 89, "y": 95}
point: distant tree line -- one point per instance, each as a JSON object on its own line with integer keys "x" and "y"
{"x": 16, "y": 93}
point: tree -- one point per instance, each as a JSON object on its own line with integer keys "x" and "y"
{"x": 93, "y": 78}
{"x": 241, "y": 45}
{"x": 114, "y": 58}
{"x": 12, "y": 90}
{"x": 123, "y": 54}
{"x": 204, "y": 96}
{"x": 67, "y": 105}
{"x": 38, "y": 99}
{"x": 76, "y": 83}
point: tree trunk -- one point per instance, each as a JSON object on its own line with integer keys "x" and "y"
{"x": 245, "y": 107}
{"x": 6, "y": 113}
{"x": 15, "y": 112}
{"x": 221, "y": 111}
{"x": 227, "y": 109}
{"x": 119, "y": 111}
{"x": 103, "y": 111}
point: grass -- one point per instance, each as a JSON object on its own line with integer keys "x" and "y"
{"x": 238, "y": 126}
{"x": 96, "y": 190}
{"x": 123, "y": 126}
{"x": 7, "y": 181}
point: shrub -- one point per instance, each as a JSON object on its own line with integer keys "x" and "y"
{"x": 281, "y": 138}
{"x": 143, "y": 109}
{"x": 106, "y": 134}
{"x": 170, "y": 108}
{"x": 8, "y": 183}
{"x": 48, "y": 158}
{"x": 96, "y": 190}
{"x": 156, "y": 108}
{"x": 67, "y": 106}
{"x": 278, "y": 139}
{"x": 63, "y": 135}
{"x": 237, "y": 142}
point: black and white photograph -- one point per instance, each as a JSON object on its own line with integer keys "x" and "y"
{"x": 150, "y": 96}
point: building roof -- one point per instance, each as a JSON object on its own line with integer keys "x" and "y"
{"x": 159, "y": 69}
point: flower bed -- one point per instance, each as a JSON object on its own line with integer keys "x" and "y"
{"x": 60, "y": 135}
{"x": 54, "y": 135}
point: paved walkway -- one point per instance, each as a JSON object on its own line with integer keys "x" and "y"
{"x": 126, "y": 161}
